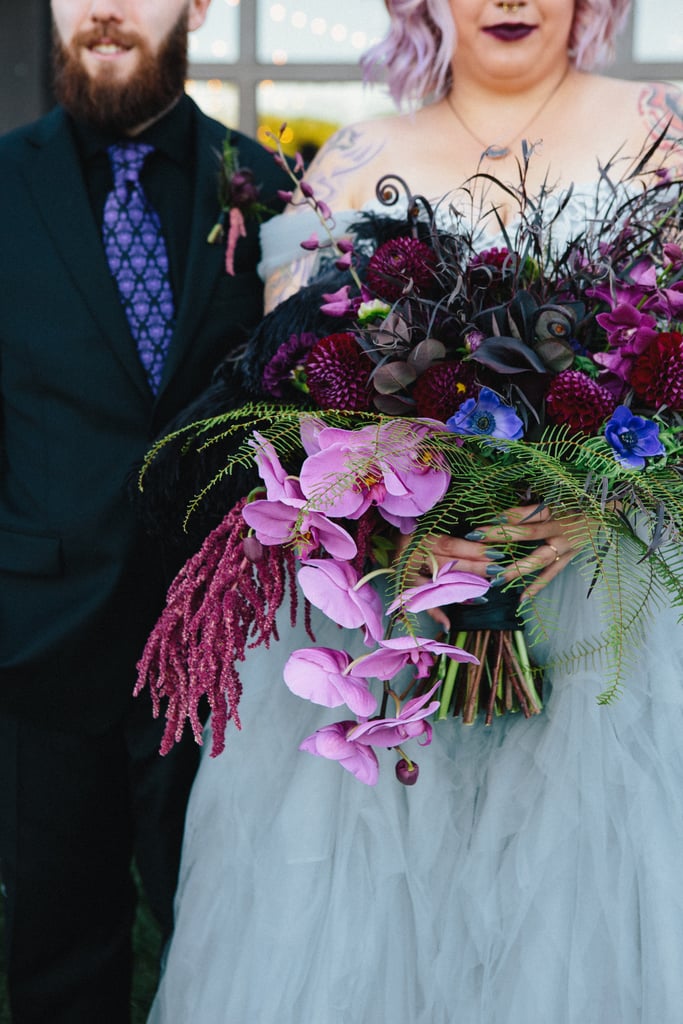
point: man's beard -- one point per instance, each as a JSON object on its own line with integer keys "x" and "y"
{"x": 114, "y": 106}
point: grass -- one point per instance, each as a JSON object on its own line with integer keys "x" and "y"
{"x": 146, "y": 942}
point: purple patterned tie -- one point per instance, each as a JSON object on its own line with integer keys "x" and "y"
{"x": 137, "y": 257}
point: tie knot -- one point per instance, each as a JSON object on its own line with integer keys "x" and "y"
{"x": 126, "y": 161}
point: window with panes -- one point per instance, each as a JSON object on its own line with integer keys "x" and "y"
{"x": 258, "y": 63}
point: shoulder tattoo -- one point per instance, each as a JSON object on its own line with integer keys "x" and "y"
{"x": 347, "y": 152}
{"x": 660, "y": 105}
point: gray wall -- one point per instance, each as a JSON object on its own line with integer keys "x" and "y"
{"x": 24, "y": 61}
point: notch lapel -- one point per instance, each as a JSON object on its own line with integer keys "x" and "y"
{"x": 205, "y": 262}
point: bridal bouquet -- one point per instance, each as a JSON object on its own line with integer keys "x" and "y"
{"x": 457, "y": 380}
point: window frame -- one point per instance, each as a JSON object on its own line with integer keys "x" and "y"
{"x": 248, "y": 72}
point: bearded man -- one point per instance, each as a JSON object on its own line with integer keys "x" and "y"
{"x": 113, "y": 312}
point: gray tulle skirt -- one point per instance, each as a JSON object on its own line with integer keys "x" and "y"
{"x": 532, "y": 876}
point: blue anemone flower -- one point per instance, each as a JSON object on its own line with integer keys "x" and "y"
{"x": 633, "y": 438}
{"x": 488, "y": 415}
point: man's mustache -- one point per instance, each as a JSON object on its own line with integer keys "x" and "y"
{"x": 106, "y": 32}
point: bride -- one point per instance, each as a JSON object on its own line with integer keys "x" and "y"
{"x": 533, "y": 875}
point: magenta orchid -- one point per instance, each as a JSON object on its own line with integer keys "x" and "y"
{"x": 279, "y": 484}
{"x": 283, "y": 517}
{"x": 338, "y": 303}
{"x": 281, "y": 522}
{"x": 322, "y": 675}
{"x": 398, "y": 652}
{"x": 629, "y": 332}
{"x": 448, "y": 586}
{"x": 410, "y": 723}
{"x": 337, "y": 589}
{"x": 332, "y": 742}
{"x": 379, "y": 465}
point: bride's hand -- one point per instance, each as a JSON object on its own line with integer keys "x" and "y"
{"x": 557, "y": 542}
{"x": 482, "y": 550}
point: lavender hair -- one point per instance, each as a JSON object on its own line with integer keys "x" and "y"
{"x": 417, "y": 50}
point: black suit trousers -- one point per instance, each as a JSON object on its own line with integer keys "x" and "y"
{"x": 74, "y": 811}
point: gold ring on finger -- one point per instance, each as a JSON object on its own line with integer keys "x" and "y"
{"x": 557, "y": 553}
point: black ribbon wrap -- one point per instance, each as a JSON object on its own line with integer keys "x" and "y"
{"x": 500, "y": 612}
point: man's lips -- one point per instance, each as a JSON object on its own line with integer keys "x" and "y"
{"x": 510, "y": 31}
{"x": 107, "y": 49}
{"x": 106, "y": 44}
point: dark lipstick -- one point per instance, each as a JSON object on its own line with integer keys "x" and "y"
{"x": 510, "y": 32}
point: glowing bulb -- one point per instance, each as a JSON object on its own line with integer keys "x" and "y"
{"x": 278, "y": 12}
{"x": 318, "y": 26}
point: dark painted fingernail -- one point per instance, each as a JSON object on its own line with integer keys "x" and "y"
{"x": 499, "y": 581}
{"x": 502, "y": 518}
{"x": 494, "y": 554}
{"x": 494, "y": 570}
{"x": 474, "y": 535}
{"x": 477, "y": 600}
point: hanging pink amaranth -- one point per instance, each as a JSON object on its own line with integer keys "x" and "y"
{"x": 219, "y": 605}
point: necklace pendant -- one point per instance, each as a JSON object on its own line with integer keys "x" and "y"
{"x": 496, "y": 152}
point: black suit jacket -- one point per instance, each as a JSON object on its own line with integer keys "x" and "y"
{"x": 80, "y": 585}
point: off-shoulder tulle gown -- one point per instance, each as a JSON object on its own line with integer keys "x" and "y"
{"x": 532, "y": 876}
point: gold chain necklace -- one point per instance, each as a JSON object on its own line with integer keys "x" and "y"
{"x": 494, "y": 152}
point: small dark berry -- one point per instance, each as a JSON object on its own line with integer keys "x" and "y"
{"x": 407, "y": 773}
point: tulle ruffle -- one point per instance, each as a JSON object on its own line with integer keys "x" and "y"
{"x": 532, "y": 876}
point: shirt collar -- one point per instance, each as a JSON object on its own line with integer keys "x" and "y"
{"x": 171, "y": 134}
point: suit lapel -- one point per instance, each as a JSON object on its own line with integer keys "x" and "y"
{"x": 205, "y": 262}
{"x": 56, "y": 182}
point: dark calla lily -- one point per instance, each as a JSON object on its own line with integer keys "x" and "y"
{"x": 508, "y": 355}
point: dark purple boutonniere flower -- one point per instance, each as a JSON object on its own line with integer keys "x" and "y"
{"x": 486, "y": 415}
{"x": 633, "y": 438}
{"x": 239, "y": 198}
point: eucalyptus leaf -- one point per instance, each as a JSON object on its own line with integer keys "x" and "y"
{"x": 392, "y": 377}
{"x": 394, "y": 405}
{"x": 425, "y": 353}
{"x": 393, "y": 334}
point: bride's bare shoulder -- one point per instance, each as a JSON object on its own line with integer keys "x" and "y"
{"x": 346, "y": 169}
{"x": 650, "y": 111}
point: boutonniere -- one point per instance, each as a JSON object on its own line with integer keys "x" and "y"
{"x": 239, "y": 198}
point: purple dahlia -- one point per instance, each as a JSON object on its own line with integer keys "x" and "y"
{"x": 657, "y": 377}
{"x": 442, "y": 388}
{"x": 579, "y": 401}
{"x": 398, "y": 262}
{"x": 494, "y": 258}
{"x": 338, "y": 374}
